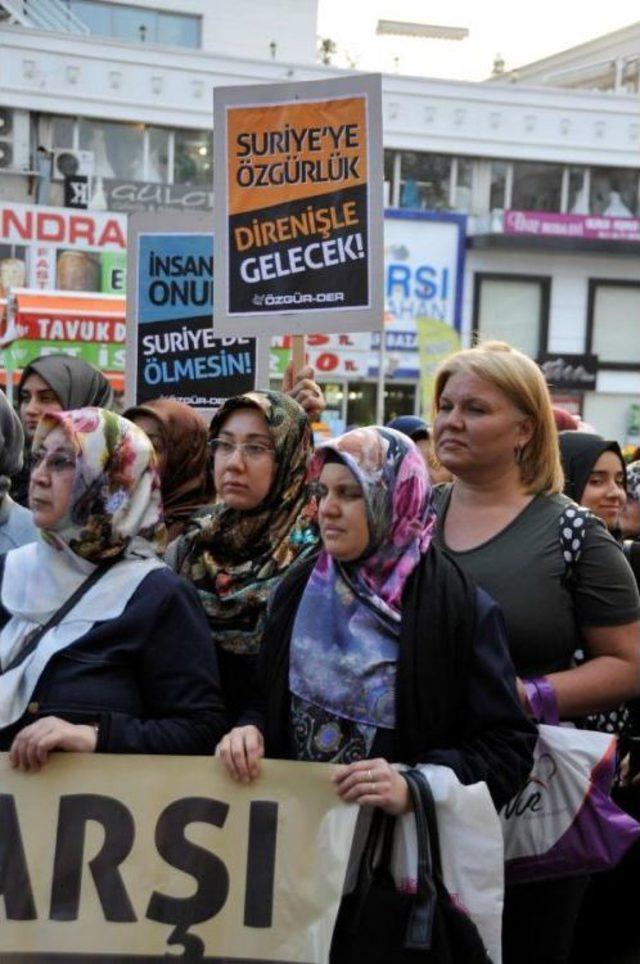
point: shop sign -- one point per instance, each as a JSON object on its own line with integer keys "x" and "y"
{"x": 62, "y": 228}
{"x": 593, "y": 227}
{"x": 132, "y": 196}
{"x": 566, "y": 373}
{"x": 298, "y": 215}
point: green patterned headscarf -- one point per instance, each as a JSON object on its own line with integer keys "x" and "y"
{"x": 116, "y": 506}
{"x": 236, "y": 558}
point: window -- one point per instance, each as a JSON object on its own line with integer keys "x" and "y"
{"x": 118, "y": 149}
{"x": 425, "y": 181}
{"x": 62, "y": 131}
{"x": 399, "y": 400}
{"x": 578, "y": 195}
{"x": 193, "y": 159}
{"x": 389, "y": 161}
{"x": 613, "y": 322}
{"x": 134, "y": 152}
{"x": 512, "y": 308}
{"x": 614, "y": 192}
{"x": 536, "y": 187}
{"x": 137, "y": 24}
{"x": 498, "y": 193}
{"x": 158, "y": 154}
{"x": 463, "y": 185}
{"x": 361, "y": 403}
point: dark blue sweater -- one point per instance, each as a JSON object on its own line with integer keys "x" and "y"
{"x": 149, "y": 678}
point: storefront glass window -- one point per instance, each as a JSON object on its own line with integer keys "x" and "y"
{"x": 399, "y": 400}
{"x": 425, "y": 180}
{"x": 536, "y": 187}
{"x": 158, "y": 158}
{"x": 361, "y": 404}
{"x": 464, "y": 181}
{"x": 96, "y": 16}
{"x": 499, "y": 170}
{"x": 134, "y": 23}
{"x": 62, "y": 131}
{"x": 578, "y": 201}
{"x": 193, "y": 159}
{"x": 614, "y": 192}
{"x": 117, "y": 148}
{"x": 615, "y": 323}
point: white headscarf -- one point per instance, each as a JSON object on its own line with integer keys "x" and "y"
{"x": 115, "y": 514}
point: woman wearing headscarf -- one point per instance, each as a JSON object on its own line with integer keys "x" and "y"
{"x": 596, "y": 478}
{"x": 55, "y": 383}
{"x": 16, "y": 524}
{"x": 180, "y": 438}
{"x": 103, "y": 648}
{"x": 262, "y": 522}
{"x": 378, "y": 649}
{"x": 594, "y": 475}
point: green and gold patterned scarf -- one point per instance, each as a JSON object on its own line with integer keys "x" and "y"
{"x": 236, "y": 558}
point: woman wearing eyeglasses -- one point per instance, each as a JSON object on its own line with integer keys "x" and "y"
{"x": 102, "y": 647}
{"x": 262, "y": 522}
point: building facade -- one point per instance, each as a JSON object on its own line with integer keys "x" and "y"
{"x": 545, "y": 182}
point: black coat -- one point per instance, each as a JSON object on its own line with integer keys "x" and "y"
{"x": 456, "y": 700}
{"x": 149, "y": 678}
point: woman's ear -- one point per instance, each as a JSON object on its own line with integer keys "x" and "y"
{"x": 525, "y": 432}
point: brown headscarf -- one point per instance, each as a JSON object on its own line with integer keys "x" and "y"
{"x": 185, "y": 469}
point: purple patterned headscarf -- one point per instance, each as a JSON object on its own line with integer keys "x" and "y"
{"x": 345, "y": 637}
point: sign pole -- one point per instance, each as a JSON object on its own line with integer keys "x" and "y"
{"x": 298, "y": 349}
{"x": 382, "y": 365}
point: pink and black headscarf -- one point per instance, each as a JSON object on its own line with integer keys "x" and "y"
{"x": 345, "y": 637}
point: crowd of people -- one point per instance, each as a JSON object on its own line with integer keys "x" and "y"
{"x": 389, "y": 597}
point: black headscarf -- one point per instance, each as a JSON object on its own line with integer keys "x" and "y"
{"x": 579, "y": 452}
{"x": 76, "y": 383}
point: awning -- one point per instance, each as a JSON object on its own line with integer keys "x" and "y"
{"x": 85, "y": 325}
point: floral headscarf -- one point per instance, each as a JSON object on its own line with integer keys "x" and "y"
{"x": 344, "y": 642}
{"x": 116, "y": 507}
{"x": 235, "y": 558}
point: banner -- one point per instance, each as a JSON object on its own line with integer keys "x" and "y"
{"x": 436, "y": 341}
{"x": 298, "y": 215}
{"x": 109, "y": 858}
{"x": 171, "y": 348}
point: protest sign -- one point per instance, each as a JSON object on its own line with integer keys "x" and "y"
{"x": 171, "y": 348}
{"x": 298, "y": 212}
{"x": 109, "y": 858}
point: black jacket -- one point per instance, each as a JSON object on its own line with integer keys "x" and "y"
{"x": 148, "y": 678}
{"x": 456, "y": 700}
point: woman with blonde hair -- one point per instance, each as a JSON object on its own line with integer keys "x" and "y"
{"x": 506, "y": 523}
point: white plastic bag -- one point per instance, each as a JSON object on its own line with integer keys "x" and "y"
{"x": 563, "y": 821}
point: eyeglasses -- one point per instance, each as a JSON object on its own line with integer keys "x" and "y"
{"x": 250, "y": 451}
{"x": 55, "y": 462}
